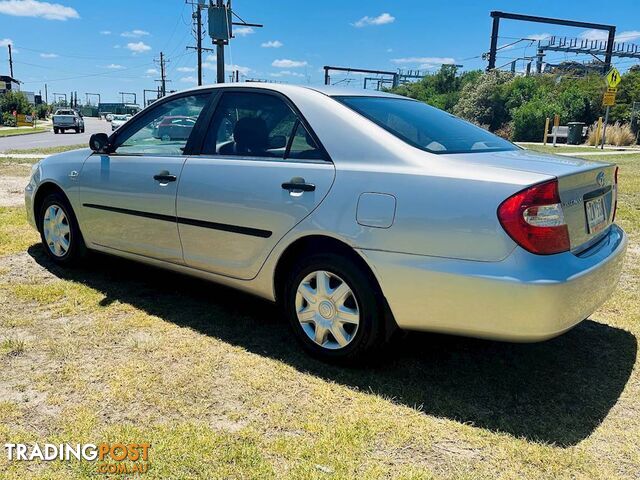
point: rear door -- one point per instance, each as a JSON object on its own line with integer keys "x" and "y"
{"x": 261, "y": 172}
{"x": 128, "y": 196}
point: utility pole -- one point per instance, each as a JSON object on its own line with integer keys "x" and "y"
{"x": 10, "y": 61}
{"x": 163, "y": 75}
{"x": 220, "y": 25}
{"x": 220, "y": 50}
{"x": 197, "y": 17}
{"x": 46, "y": 94}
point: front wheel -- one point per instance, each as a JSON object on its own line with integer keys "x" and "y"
{"x": 59, "y": 230}
{"x": 334, "y": 308}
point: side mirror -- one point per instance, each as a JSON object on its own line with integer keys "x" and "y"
{"x": 277, "y": 141}
{"x": 98, "y": 142}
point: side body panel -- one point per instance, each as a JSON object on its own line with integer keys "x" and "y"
{"x": 245, "y": 209}
{"x": 124, "y": 208}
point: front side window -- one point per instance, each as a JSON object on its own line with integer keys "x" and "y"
{"x": 250, "y": 124}
{"x": 164, "y": 129}
{"x": 426, "y": 127}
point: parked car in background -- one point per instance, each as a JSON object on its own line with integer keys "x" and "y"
{"x": 175, "y": 127}
{"x": 358, "y": 211}
{"x": 104, "y": 115}
{"x": 118, "y": 121}
{"x": 67, "y": 119}
{"x": 109, "y": 117}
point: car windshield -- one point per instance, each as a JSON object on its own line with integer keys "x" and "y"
{"x": 64, "y": 112}
{"x": 120, "y": 117}
{"x": 426, "y": 127}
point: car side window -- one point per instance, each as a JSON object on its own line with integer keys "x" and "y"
{"x": 303, "y": 146}
{"x": 164, "y": 129}
{"x": 250, "y": 124}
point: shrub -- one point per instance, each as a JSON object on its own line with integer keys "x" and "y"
{"x": 617, "y": 134}
{"x": 481, "y": 101}
{"x": 529, "y": 119}
{"x": 620, "y": 135}
{"x": 14, "y": 101}
{"x": 8, "y": 120}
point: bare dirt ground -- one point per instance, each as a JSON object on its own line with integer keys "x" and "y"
{"x": 12, "y": 190}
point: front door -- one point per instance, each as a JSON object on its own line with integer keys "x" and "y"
{"x": 128, "y": 196}
{"x": 260, "y": 173}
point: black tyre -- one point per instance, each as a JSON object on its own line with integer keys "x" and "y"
{"x": 77, "y": 129}
{"x": 55, "y": 131}
{"x": 335, "y": 308}
{"x": 59, "y": 230}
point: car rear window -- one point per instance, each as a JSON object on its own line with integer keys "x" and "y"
{"x": 426, "y": 127}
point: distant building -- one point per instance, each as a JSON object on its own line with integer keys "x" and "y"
{"x": 8, "y": 83}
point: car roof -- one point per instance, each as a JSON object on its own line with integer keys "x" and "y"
{"x": 329, "y": 90}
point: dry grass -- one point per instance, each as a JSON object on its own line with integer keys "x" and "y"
{"x": 617, "y": 134}
{"x": 211, "y": 377}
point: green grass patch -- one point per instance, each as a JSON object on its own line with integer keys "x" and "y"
{"x": 48, "y": 150}
{"x": 21, "y": 131}
{"x": 16, "y": 235}
{"x": 578, "y": 149}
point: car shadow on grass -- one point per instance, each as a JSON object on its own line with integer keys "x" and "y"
{"x": 555, "y": 392}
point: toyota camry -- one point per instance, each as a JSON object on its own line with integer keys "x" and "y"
{"x": 359, "y": 212}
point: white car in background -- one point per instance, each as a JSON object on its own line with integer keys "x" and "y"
{"x": 118, "y": 121}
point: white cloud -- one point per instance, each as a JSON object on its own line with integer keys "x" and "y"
{"x": 5, "y": 42}
{"x": 105, "y": 32}
{"x": 626, "y": 36}
{"x": 138, "y": 47}
{"x": 242, "y": 31}
{"x": 272, "y": 44}
{"x": 134, "y": 34}
{"x": 186, "y": 69}
{"x": 286, "y": 73}
{"x": 286, "y": 63}
{"x": 114, "y": 66}
{"x": 381, "y": 19}
{"x": 425, "y": 62}
{"x": 49, "y": 55}
{"x": 152, "y": 71}
{"x": 189, "y": 79}
{"x": 211, "y": 64}
{"x": 241, "y": 69}
{"x": 539, "y": 36}
{"x": 35, "y": 8}
{"x": 594, "y": 35}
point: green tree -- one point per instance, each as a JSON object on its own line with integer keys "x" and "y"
{"x": 15, "y": 102}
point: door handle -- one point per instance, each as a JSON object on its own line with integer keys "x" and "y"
{"x": 165, "y": 177}
{"x": 298, "y": 183}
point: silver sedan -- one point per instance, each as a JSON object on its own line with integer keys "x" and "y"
{"x": 358, "y": 212}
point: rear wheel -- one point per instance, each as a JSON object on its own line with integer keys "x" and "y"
{"x": 59, "y": 230}
{"x": 55, "y": 130}
{"x": 334, "y": 308}
{"x": 77, "y": 129}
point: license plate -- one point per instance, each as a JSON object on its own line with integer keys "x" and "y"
{"x": 596, "y": 218}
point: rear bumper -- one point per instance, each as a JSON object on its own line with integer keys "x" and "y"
{"x": 523, "y": 298}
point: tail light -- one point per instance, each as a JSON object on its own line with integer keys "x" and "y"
{"x": 533, "y": 218}
{"x": 615, "y": 195}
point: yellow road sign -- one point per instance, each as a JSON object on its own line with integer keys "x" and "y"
{"x": 609, "y": 98}
{"x": 613, "y": 78}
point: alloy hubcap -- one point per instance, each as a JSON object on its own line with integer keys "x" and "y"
{"x": 327, "y": 310}
{"x": 57, "y": 232}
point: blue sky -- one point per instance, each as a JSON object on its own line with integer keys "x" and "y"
{"x": 109, "y": 46}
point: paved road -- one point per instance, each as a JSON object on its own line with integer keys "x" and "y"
{"x": 49, "y": 139}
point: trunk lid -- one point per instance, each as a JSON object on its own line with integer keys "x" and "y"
{"x": 587, "y": 188}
